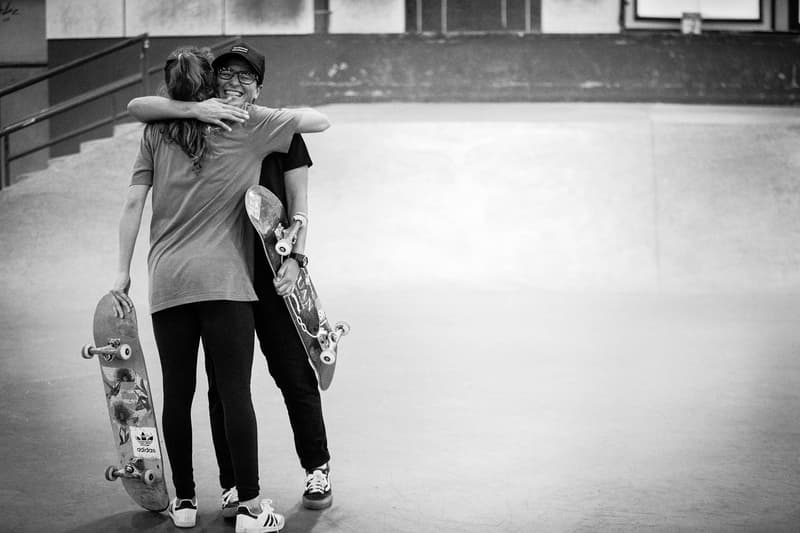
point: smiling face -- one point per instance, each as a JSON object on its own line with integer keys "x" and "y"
{"x": 239, "y": 93}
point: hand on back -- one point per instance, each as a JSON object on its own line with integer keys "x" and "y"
{"x": 218, "y": 111}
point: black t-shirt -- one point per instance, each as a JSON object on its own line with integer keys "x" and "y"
{"x": 272, "y": 169}
{"x": 276, "y": 163}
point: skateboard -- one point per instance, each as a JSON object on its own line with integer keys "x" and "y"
{"x": 130, "y": 406}
{"x": 320, "y": 340}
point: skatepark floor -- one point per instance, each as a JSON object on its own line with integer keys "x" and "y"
{"x": 565, "y": 318}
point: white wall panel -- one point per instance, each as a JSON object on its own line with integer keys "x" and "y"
{"x": 269, "y": 17}
{"x": 374, "y": 16}
{"x": 709, "y": 9}
{"x": 76, "y": 19}
{"x": 724, "y": 15}
{"x": 174, "y": 17}
{"x": 580, "y": 16}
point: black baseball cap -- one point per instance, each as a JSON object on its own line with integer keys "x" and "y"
{"x": 243, "y": 50}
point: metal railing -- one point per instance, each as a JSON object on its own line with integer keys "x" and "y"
{"x": 142, "y": 77}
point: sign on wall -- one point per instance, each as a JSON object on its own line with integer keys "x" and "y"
{"x": 716, "y": 15}
{"x": 738, "y": 10}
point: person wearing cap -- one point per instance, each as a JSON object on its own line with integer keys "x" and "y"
{"x": 239, "y": 75}
{"x": 286, "y": 175}
{"x": 200, "y": 264}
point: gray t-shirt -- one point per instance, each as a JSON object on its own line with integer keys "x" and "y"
{"x": 201, "y": 247}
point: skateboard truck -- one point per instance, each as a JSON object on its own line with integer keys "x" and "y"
{"x": 287, "y": 237}
{"x": 113, "y": 350}
{"x": 132, "y": 470}
{"x": 330, "y": 341}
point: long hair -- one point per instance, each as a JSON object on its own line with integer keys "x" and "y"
{"x": 188, "y": 76}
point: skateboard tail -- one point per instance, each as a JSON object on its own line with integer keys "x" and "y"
{"x": 260, "y": 212}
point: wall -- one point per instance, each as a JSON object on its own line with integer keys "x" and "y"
{"x": 85, "y": 19}
{"x": 319, "y": 69}
{"x": 76, "y": 19}
{"x": 276, "y": 17}
{"x": 23, "y": 53}
{"x": 22, "y": 32}
{"x": 660, "y": 67}
{"x": 377, "y": 16}
{"x": 580, "y": 16}
{"x": 663, "y": 67}
{"x": 176, "y": 17}
{"x": 117, "y": 18}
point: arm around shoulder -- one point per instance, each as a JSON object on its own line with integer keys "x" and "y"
{"x": 311, "y": 121}
{"x": 212, "y": 111}
{"x": 151, "y": 108}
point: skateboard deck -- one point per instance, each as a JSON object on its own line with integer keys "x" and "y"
{"x": 130, "y": 406}
{"x": 320, "y": 340}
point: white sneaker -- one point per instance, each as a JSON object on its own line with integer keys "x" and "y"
{"x": 183, "y": 512}
{"x": 230, "y": 502}
{"x": 266, "y": 521}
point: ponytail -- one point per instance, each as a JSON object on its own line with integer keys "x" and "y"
{"x": 188, "y": 77}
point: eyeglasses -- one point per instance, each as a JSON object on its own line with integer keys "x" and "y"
{"x": 245, "y": 77}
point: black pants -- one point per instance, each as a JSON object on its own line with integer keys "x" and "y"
{"x": 289, "y": 367}
{"x": 226, "y": 329}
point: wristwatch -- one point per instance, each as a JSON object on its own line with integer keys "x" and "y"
{"x": 300, "y": 258}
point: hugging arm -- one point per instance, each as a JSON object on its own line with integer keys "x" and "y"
{"x": 214, "y": 111}
{"x": 296, "y": 181}
{"x": 310, "y": 120}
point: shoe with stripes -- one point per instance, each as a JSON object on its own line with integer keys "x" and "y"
{"x": 266, "y": 521}
{"x": 183, "y": 512}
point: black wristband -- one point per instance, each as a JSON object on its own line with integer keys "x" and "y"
{"x": 301, "y": 259}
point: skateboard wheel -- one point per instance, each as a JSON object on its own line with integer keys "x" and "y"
{"x": 327, "y": 357}
{"x": 283, "y": 248}
{"x": 125, "y": 352}
{"x": 111, "y": 473}
{"x": 85, "y": 353}
{"x": 342, "y": 327}
{"x": 148, "y": 477}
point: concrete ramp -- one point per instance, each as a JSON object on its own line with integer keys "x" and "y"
{"x": 555, "y": 197}
{"x": 566, "y": 318}
{"x": 563, "y": 197}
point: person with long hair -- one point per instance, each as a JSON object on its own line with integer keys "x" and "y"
{"x": 200, "y": 268}
{"x": 286, "y": 175}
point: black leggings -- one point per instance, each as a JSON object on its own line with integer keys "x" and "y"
{"x": 226, "y": 329}
{"x": 292, "y": 372}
